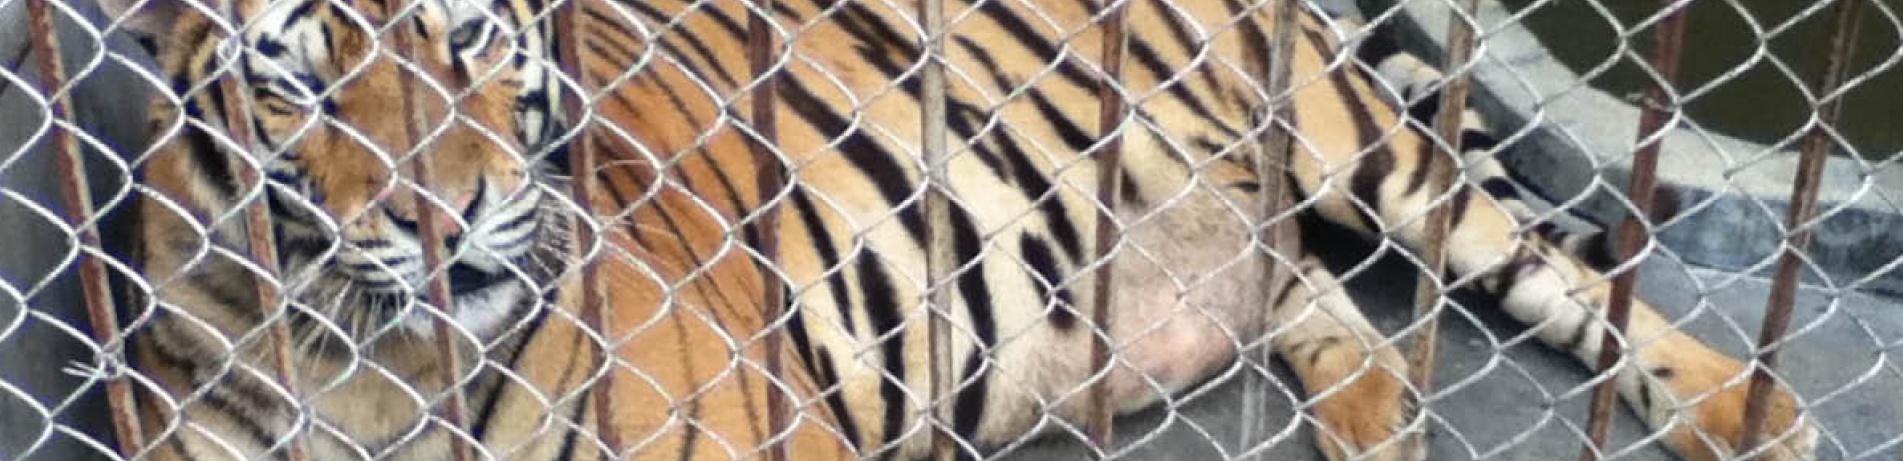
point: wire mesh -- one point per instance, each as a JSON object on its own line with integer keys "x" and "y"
{"x": 960, "y": 229}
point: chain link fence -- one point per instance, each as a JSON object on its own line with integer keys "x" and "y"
{"x": 725, "y": 228}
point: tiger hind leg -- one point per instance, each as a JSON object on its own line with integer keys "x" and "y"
{"x": 1354, "y": 376}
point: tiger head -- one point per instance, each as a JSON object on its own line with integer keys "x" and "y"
{"x": 337, "y": 132}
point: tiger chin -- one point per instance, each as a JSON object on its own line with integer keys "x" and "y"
{"x": 677, "y": 356}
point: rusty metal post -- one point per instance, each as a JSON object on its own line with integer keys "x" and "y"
{"x": 71, "y": 162}
{"x": 941, "y": 257}
{"x": 1427, "y": 293}
{"x": 1817, "y": 145}
{"x": 259, "y": 237}
{"x": 1274, "y": 156}
{"x": 770, "y": 178}
{"x": 1632, "y": 233}
{"x": 595, "y": 314}
{"x": 1109, "y": 162}
{"x": 454, "y": 407}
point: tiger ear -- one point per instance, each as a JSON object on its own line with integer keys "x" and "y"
{"x": 147, "y": 21}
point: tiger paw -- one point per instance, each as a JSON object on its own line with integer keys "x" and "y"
{"x": 1370, "y": 420}
{"x": 1786, "y": 436}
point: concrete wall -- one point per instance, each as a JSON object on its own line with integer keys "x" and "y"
{"x": 42, "y": 318}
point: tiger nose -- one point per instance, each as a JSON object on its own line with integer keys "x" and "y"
{"x": 448, "y": 224}
{"x": 453, "y": 228}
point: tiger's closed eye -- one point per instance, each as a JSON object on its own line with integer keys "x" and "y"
{"x": 281, "y": 98}
{"x": 475, "y": 35}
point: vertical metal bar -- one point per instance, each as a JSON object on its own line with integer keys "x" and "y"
{"x": 1817, "y": 145}
{"x": 454, "y": 408}
{"x": 260, "y": 238}
{"x": 1427, "y": 293}
{"x": 1274, "y": 157}
{"x": 71, "y": 161}
{"x": 770, "y": 178}
{"x": 1276, "y": 148}
{"x": 583, "y": 182}
{"x": 1109, "y": 161}
{"x": 942, "y": 256}
{"x": 1642, "y": 191}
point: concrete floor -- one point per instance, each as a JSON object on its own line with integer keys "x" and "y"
{"x": 1523, "y": 401}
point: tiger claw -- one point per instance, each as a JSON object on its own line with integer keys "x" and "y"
{"x": 1371, "y": 420}
{"x": 1404, "y": 445}
{"x": 1718, "y": 428}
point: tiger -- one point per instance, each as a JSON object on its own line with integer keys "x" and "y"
{"x": 320, "y": 114}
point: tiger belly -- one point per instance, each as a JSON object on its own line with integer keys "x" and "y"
{"x": 1188, "y": 288}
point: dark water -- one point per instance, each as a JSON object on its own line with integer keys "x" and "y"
{"x": 1764, "y": 103}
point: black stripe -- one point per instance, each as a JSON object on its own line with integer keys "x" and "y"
{"x": 1188, "y": 45}
{"x": 1423, "y": 165}
{"x": 969, "y": 408}
{"x": 268, "y": 46}
{"x": 1463, "y": 197}
{"x": 1578, "y": 338}
{"x": 1377, "y": 46}
{"x": 1500, "y": 188}
{"x": 567, "y": 451}
{"x": 1549, "y": 231}
{"x": 873, "y": 161}
{"x": 836, "y": 398}
{"x": 1287, "y": 289}
{"x": 1024, "y": 34}
{"x": 690, "y": 433}
{"x": 824, "y": 375}
{"x": 1025, "y": 175}
{"x": 882, "y": 310}
{"x": 1147, "y": 57}
{"x": 1472, "y": 140}
{"x": 207, "y": 158}
{"x": 1510, "y": 272}
{"x": 828, "y": 256}
{"x": 489, "y": 404}
{"x": 1424, "y": 109}
{"x": 303, "y": 10}
{"x": 1049, "y": 204}
{"x": 750, "y": 231}
{"x": 1254, "y": 41}
{"x": 1376, "y": 167}
{"x": 1067, "y": 130}
{"x": 1645, "y": 397}
{"x": 213, "y": 400}
{"x": 880, "y": 43}
{"x": 1597, "y": 251}
{"x": 1045, "y": 276}
{"x": 1318, "y": 346}
{"x": 229, "y": 286}
{"x": 1132, "y": 193}
{"x": 699, "y": 46}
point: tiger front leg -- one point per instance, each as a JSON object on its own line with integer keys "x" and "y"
{"x": 1678, "y": 384}
{"x": 1354, "y": 376}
